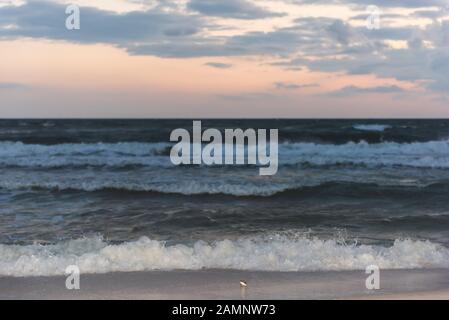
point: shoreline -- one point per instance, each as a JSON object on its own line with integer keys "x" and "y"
{"x": 224, "y": 285}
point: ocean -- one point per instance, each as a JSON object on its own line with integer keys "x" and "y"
{"x": 104, "y": 195}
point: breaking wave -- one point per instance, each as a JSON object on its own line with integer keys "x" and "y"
{"x": 276, "y": 252}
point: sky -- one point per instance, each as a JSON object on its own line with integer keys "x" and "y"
{"x": 225, "y": 58}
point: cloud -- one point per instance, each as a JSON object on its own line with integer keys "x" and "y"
{"x": 353, "y": 90}
{"x": 354, "y": 50}
{"x": 219, "y": 65}
{"x": 340, "y": 31}
{"x": 44, "y": 19}
{"x": 157, "y": 32}
{"x": 379, "y": 3}
{"x": 237, "y": 9}
{"x": 440, "y": 67}
{"x": 12, "y": 86}
{"x": 279, "y": 42}
{"x": 248, "y": 96}
{"x": 315, "y": 43}
{"x": 293, "y": 86}
{"x": 432, "y": 14}
{"x": 383, "y": 16}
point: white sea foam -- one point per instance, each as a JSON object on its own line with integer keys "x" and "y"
{"x": 268, "y": 253}
{"x": 372, "y": 127}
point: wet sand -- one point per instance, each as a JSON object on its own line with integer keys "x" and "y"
{"x": 224, "y": 284}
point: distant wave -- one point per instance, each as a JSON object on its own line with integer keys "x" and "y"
{"x": 181, "y": 187}
{"x": 79, "y": 154}
{"x": 194, "y": 187}
{"x": 431, "y": 154}
{"x": 275, "y": 252}
{"x": 372, "y": 127}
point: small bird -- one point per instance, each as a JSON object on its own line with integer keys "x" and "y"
{"x": 243, "y": 284}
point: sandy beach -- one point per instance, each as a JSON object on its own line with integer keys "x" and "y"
{"x": 224, "y": 284}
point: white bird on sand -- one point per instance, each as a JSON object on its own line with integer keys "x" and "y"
{"x": 243, "y": 284}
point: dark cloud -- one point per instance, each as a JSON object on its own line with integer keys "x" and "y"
{"x": 238, "y": 9}
{"x": 379, "y": 3}
{"x": 384, "y": 16}
{"x": 439, "y": 65}
{"x": 219, "y": 65}
{"x": 340, "y": 31}
{"x": 351, "y": 90}
{"x": 432, "y": 14}
{"x": 279, "y": 43}
{"x": 248, "y": 96}
{"x": 12, "y": 85}
{"x": 293, "y": 86}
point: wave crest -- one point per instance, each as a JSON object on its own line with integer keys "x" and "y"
{"x": 266, "y": 253}
{"x": 372, "y": 127}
